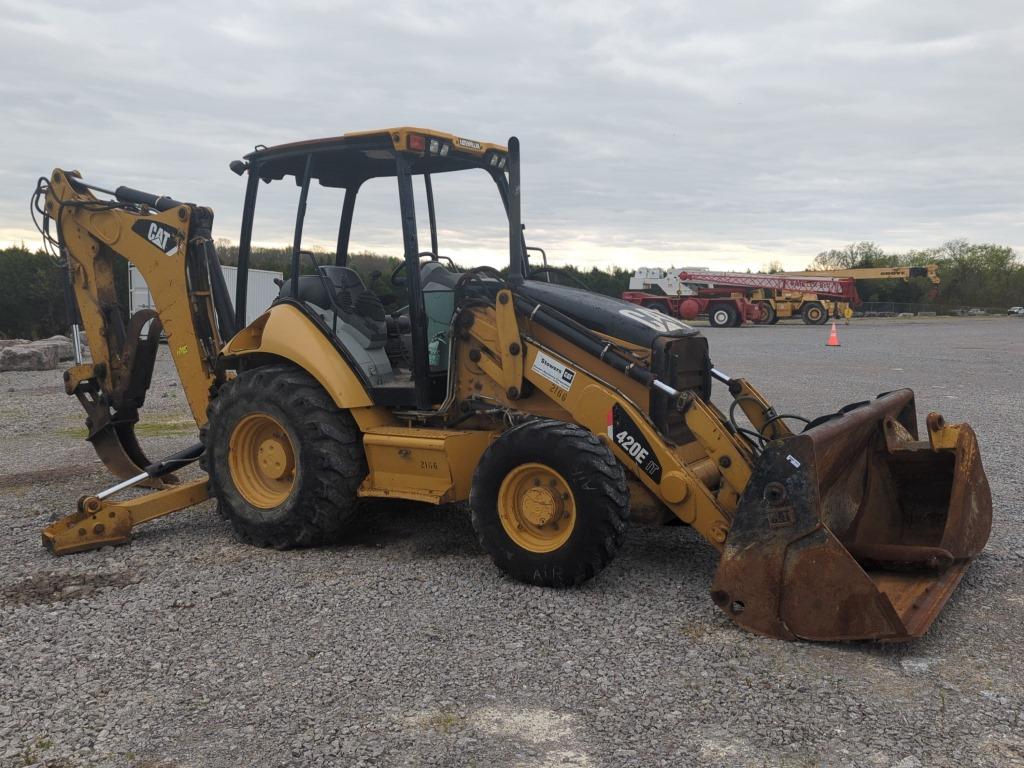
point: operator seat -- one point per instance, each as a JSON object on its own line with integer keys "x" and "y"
{"x": 353, "y": 304}
{"x": 437, "y": 275}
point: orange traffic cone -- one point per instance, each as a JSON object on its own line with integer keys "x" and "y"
{"x": 833, "y": 338}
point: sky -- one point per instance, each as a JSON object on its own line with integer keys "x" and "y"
{"x": 727, "y": 135}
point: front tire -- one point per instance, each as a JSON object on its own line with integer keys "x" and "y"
{"x": 284, "y": 462}
{"x": 550, "y": 503}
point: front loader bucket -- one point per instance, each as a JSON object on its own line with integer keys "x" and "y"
{"x": 855, "y": 529}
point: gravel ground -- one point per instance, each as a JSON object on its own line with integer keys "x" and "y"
{"x": 405, "y": 646}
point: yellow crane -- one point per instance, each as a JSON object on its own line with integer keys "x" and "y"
{"x": 931, "y": 271}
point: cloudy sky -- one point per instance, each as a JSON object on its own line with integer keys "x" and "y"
{"x": 717, "y": 134}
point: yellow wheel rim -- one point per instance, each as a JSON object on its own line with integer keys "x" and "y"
{"x": 261, "y": 459}
{"x": 536, "y": 507}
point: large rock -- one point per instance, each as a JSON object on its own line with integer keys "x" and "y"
{"x": 29, "y": 357}
{"x": 5, "y": 343}
{"x": 65, "y": 348}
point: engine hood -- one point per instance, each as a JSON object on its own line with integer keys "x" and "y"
{"x": 607, "y": 315}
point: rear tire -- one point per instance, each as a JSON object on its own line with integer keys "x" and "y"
{"x": 550, "y": 503}
{"x": 814, "y": 313}
{"x": 722, "y": 315}
{"x": 770, "y": 317}
{"x": 284, "y": 462}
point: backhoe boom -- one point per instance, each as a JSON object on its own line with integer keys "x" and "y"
{"x": 169, "y": 242}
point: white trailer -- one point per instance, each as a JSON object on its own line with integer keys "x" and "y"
{"x": 261, "y": 290}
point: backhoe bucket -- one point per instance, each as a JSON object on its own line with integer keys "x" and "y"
{"x": 855, "y": 529}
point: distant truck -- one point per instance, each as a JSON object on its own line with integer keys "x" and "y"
{"x": 730, "y": 299}
{"x": 678, "y": 298}
{"x": 733, "y": 298}
{"x": 261, "y": 290}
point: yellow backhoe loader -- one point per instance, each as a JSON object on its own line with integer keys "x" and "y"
{"x": 551, "y": 411}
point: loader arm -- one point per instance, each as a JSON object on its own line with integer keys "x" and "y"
{"x": 620, "y": 423}
{"x": 701, "y": 490}
{"x": 169, "y": 243}
{"x": 852, "y": 529}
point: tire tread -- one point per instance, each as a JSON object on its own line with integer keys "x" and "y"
{"x": 604, "y": 523}
{"x": 330, "y": 439}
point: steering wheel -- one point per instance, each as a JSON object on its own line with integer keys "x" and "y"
{"x": 396, "y": 278}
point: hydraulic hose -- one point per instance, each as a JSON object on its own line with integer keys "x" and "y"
{"x": 157, "y": 202}
{"x": 589, "y": 342}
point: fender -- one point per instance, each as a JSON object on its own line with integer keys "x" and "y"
{"x": 285, "y": 332}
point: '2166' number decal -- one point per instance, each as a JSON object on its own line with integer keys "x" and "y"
{"x": 627, "y": 436}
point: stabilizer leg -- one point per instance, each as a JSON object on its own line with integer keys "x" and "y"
{"x": 99, "y": 522}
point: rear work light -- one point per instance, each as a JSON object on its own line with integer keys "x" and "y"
{"x": 416, "y": 142}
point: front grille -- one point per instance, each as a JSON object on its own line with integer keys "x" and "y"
{"x": 684, "y": 364}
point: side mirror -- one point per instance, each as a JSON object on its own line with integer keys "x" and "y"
{"x": 239, "y": 167}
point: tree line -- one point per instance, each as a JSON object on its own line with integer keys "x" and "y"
{"x": 972, "y": 274}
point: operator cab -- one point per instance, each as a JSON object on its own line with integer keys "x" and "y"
{"x": 400, "y": 353}
{"x": 403, "y": 354}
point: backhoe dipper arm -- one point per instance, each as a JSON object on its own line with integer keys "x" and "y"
{"x": 169, "y": 242}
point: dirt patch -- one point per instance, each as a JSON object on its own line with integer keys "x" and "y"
{"x": 375, "y": 526}
{"x": 46, "y": 476}
{"x": 48, "y": 389}
{"x": 169, "y": 428}
{"x": 50, "y": 588}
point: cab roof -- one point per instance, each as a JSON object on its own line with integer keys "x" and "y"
{"x": 350, "y": 159}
